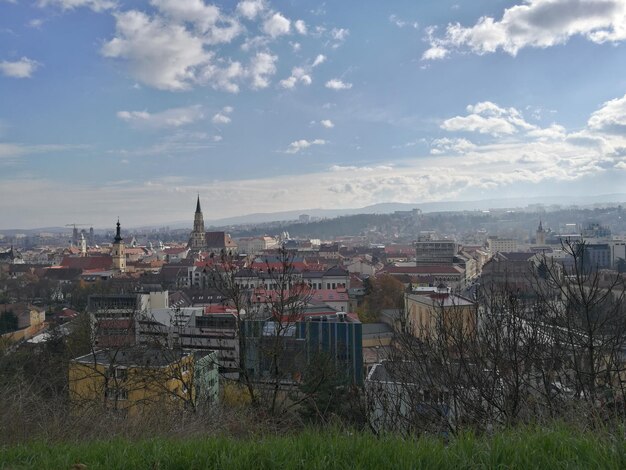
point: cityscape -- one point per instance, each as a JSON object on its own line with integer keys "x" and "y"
{"x": 263, "y": 234}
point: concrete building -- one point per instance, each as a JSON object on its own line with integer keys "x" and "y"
{"x": 501, "y": 245}
{"x": 211, "y": 328}
{"x": 114, "y": 316}
{"x": 300, "y": 343}
{"x": 256, "y": 245}
{"x": 433, "y": 251}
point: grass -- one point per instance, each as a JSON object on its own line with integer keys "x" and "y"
{"x": 528, "y": 448}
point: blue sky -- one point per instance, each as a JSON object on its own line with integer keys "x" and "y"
{"x": 131, "y": 108}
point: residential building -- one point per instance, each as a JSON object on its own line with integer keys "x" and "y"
{"x": 431, "y": 314}
{"x": 139, "y": 380}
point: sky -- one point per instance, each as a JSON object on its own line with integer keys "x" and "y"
{"x": 132, "y": 108}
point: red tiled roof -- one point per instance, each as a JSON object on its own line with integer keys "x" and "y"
{"x": 428, "y": 269}
{"x": 219, "y": 240}
{"x": 330, "y": 295}
{"x": 215, "y": 308}
{"x": 88, "y": 263}
{"x": 400, "y": 250}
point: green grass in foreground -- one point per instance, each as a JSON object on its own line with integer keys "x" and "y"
{"x": 532, "y": 448}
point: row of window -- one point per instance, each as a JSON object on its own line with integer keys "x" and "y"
{"x": 116, "y": 394}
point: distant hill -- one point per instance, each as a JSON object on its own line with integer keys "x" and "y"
{"x": 381, "y": 208}
{"x": 443, "y": 206}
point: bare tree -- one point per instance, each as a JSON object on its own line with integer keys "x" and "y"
{"x": 587, "y": 312}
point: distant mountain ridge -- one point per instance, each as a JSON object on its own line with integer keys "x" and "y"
{"x": 380, "y": 208}
{"x": 441, "y": 206}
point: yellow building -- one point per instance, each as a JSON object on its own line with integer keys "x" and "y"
{"x": 27, "y": 320}
{"x": 135, "y": 380}
{"x": 429, "y": 316}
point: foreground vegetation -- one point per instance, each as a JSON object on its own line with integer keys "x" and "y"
{"x": 558, "y": 447}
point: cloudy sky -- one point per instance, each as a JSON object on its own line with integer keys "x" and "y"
{"x": 131, "y": 108}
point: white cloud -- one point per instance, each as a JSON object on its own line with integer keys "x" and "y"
{"x": 339, "y": 34}
{"x": 216, "y": 138}
{"x": 36, "y": 23}
{"x": 400, "y": 23}
{"x": 276, "y": 25}
{"x": 610, "y": 118}
{"x": 170, "y": 50}
{"x": 288, "y": 83}
{"x": 10, "y": 151}
{"x": 295, "y": 46}
{"x": 302, "y": 74}
{"x": 170, "y": 118}
{"x": 160, "y": 54}
{"x": 250, "y": 9}
{"x": 319, "y": 60}
{"x": 215, "y": 27}
{"x": 367, "y": 169}
{"x": 554, "y": 132}
{"x": 298, "y": 74}
{"x": 302, "y": 144}
{"x": 535, "y": 23}
{"x": 300, "y": 27}
{"x": 327, "y": 123}
{"x": 95, "y": 5}
{"x": 262, "y": 67}
{"x": 488, "y": 118}
{"x": 23, "y": 68}
{"x": 336, "y": 84}
{"x": 220, "y": 118}
{"x": 446, "y": 145}
{"x": 435, "y": 53}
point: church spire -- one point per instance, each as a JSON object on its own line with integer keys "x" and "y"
{"x": 198, "y": 210}
{"x": 118, "y": 235}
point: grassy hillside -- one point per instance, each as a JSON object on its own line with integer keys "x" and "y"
{"x": 531, "y": 448}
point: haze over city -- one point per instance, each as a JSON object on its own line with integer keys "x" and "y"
{"x": 116, "y": 108}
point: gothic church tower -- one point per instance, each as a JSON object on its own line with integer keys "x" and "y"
{"x": 540, "y": 238}
{"x": 118, "y": 251}
{"x": 197, "y": 240}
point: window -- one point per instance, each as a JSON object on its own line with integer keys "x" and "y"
{"x": 121, "y": 374}
{"x": 116, "y": 394}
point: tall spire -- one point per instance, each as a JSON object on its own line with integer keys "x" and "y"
{"x": 198, "y": 205}
{"x": 540, "y": 229}
{"x": 118, "y": 235}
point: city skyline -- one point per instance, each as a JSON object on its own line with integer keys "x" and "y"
{"x": 132, "y": 108}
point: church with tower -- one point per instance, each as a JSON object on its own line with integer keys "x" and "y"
{"x": 540, "y": 236}
{"x": 118, "y": 251}
{"x": 197, "y": 240}
{"x": 210, "y": 242}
